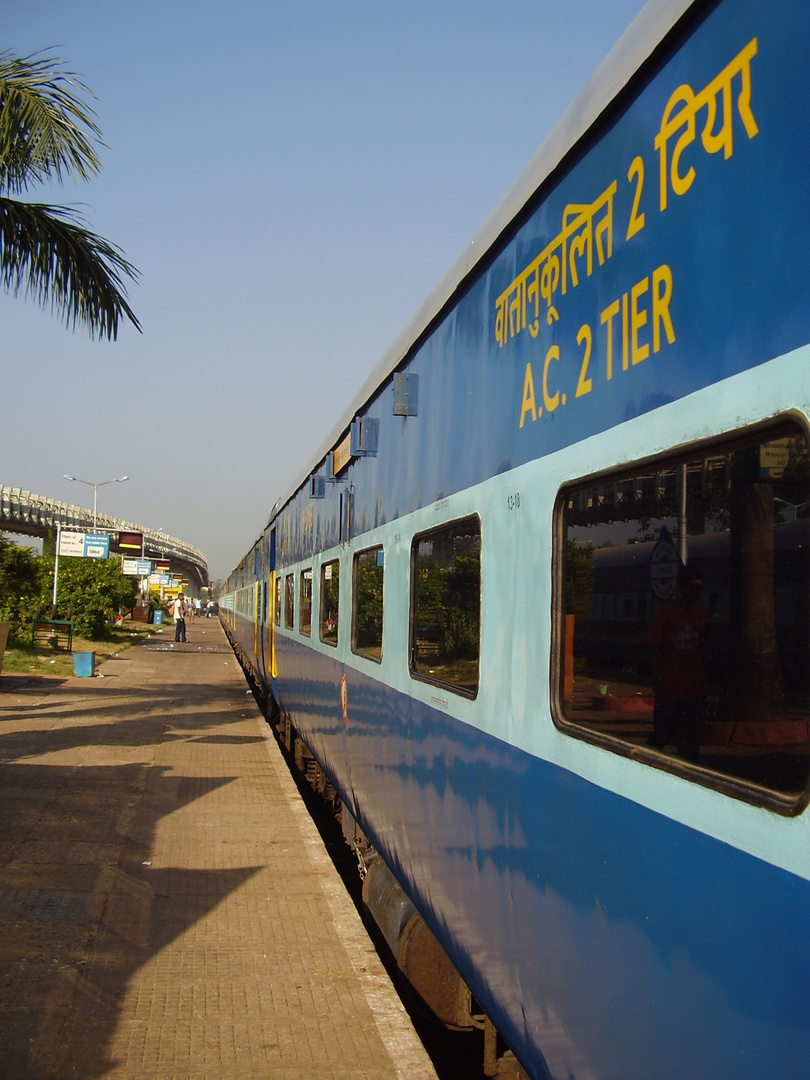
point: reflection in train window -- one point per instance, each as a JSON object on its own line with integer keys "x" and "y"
{"x": 446, "y": 605}
{"x": 278, "y": 602}
{"x": 367, "y": 605}
{"x": 305, "y": 602}
{"x": 686, "y": 609}
{"x": 289, "y": 601}
{"x": 330, "y": 601}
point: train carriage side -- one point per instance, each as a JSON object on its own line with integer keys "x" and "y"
{"x": 466, "y": 581}
{"x": 240, "y": 607}
{"x": 246, "y": 603}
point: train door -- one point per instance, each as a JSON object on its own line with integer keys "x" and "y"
{"x": 257, "y": 607}
{"x": 271, "y": 621}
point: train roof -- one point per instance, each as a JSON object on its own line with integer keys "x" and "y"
{"x": 636, "y": 46}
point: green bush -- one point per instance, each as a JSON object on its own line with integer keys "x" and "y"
{"x": 91, "y": 592}
{"x": 23, "y": 579}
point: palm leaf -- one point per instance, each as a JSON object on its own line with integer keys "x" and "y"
{"x": 46, "y": 131}
{"x": 59, "y": 262}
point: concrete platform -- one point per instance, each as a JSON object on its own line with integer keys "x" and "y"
{"x": 167, "y": 908}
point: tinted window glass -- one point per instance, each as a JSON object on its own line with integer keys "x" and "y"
{"x": 446, "y": 609}
{"x": 686, "y": 606}
{"x": 289, "y": 601}
{"x": 278, "y": 601}
{"x": 367, "y": 606}
{"x": 305, "y": 603}
{"x": 330, "y": 602}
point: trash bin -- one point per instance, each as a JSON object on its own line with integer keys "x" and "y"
{"x": 157, "y": 618}
{"x": 84, "y": 664}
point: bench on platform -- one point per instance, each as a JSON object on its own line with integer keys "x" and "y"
{"x": 52, "y": 633}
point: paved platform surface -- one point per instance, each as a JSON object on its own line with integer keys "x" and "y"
{"x": 167, "y": 908}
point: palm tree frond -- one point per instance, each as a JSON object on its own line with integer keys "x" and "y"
{"x": 46, "y": 130}
{"x": 63, "y": 265}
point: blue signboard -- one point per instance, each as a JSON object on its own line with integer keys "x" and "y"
{"x": 96, "y": 545}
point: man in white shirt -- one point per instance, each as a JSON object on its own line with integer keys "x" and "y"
{"x": 179, "y": 618}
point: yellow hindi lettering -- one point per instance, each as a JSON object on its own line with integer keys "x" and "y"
{"x": 585, "y": 226}
{"x": 517, "y": 306}
{"x": 500, "y": 319}
{"x": 681, "y": 112}
{"x": 741, "y": 64}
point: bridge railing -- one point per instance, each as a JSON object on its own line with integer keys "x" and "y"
{"x": 39, "y": 513}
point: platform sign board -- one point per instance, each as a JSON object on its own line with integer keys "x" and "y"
{"x": 136, "y": 567}
{"x": 132, "y": 541}
{"x": 96, "y": 545}
{"x": 71, "y": 543}
{"x": 84, "y": 545}
{"x": 773, "y": 459}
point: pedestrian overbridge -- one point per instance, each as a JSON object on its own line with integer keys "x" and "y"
{"x": 37, "y": 515}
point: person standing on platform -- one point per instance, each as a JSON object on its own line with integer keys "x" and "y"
{"x": 179, "y": 618}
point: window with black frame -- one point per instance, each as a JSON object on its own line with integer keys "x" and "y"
{"x": 368, "y": 573}
{"x": 278, "y": 602}
{"x": 445, "y": 640}
{"x": 305, "y": 602}
{"x": 685, "y": 599}
{"x": 330, "y": 602}
{"x": 289, "y": 601}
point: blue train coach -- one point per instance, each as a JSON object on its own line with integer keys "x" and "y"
{"x": 537, "y": 615}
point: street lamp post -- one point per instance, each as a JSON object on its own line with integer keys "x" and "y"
{"x": 95, "y": 485}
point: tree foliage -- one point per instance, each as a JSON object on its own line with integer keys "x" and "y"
{"x": 448, "y": 602}
{"x": 368, "y": 588}
{"x": 47, "y": 133}
{"x": 578, "y": 578}
{"x": 23, "y": 579}
{"x": 91, "y": 592}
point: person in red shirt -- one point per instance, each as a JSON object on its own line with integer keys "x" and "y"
{"x": 678, "y": 635}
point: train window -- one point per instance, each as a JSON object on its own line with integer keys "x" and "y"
{"x": 305, "y": 602}
{"x": 278, "y": 601}
{"x": 289, "y": 601}
{"x": 367, "y": 604}
{"x": 330, "y": 601}
{"x": 446, "y": 605}
{"x": 685, "y": 613}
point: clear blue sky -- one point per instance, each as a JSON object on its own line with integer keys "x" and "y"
{"x": 291, "y": 180}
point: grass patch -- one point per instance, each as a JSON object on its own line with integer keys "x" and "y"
{"x": 26, "y": 660}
